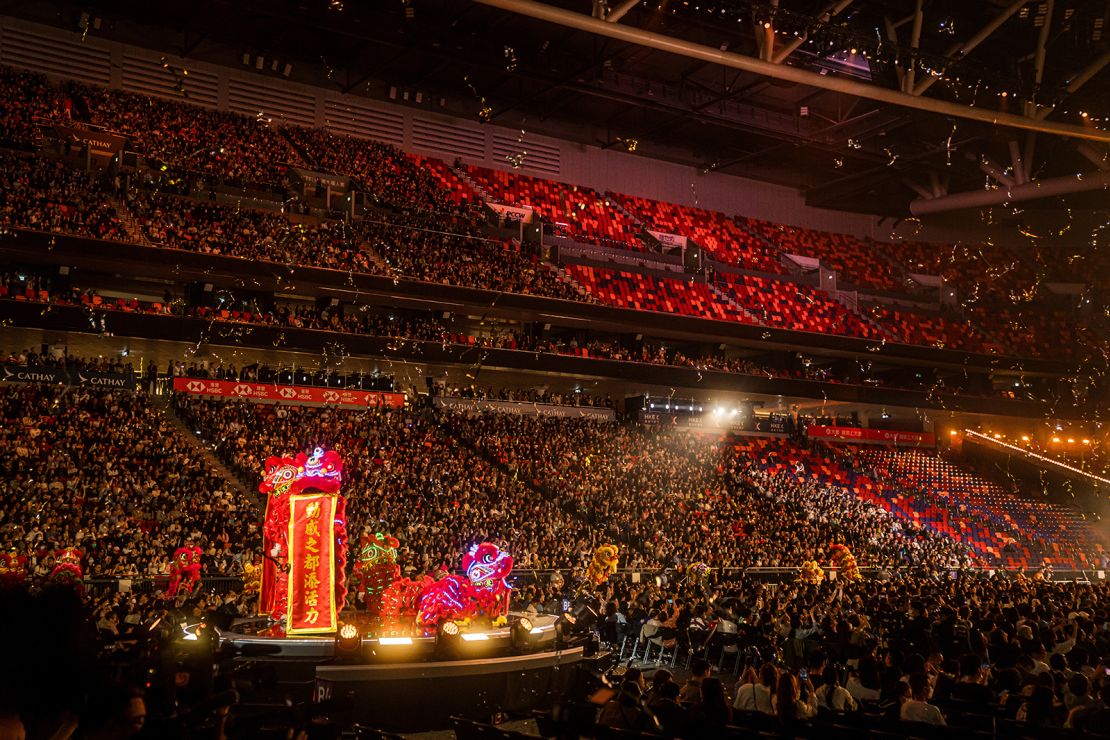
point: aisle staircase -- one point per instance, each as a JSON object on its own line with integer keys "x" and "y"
{"x": 207, "y": 451}
{"x": 127, "y": 220}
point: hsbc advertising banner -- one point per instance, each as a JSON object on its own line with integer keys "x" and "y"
{"x": 870, "y": 436}
{"x": 290, "y": 393}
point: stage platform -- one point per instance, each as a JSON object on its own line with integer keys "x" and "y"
{"x": 403, "y": 680}
{"x": 259, "y": 637}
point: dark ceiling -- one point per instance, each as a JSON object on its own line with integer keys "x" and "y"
{"x": 844, "y": 152}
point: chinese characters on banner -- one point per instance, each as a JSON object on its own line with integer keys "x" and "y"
{"x": 311, "y": 591}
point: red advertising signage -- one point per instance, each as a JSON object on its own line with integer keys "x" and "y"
{"x": 289, "y": 393}
{"x": 311, "y": 564}
{"x": 870, "y": 436}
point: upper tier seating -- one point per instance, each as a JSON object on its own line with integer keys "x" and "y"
{"x": 791, "y": 306}
{"x": 1047, "y": 333}
{"x": 856, "y": 261}
{"x": 228, "y": 147}
{"x": 391, "y": 176}
{"x": 979, "y": 271}
{"x": 649, "y": 293}
{"x": 581, "y": 212}
{"x": 46, "y": 195}
{"x": 713, "y": 231}
{"x": 28, "y": 100}
{"x": 909, "y": 327}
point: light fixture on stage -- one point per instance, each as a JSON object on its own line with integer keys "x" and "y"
{"x": 348, "y": 644}
{"x": 447, "y": 640}
{"x": 524, "y": 635}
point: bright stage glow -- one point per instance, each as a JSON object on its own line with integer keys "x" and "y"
{"x": 450, "y": 628}
{"x": 475, "y": 636}
{"x": 348, "y": 632}
{"x": 397, "y": 640}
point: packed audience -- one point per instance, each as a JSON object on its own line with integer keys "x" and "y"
{"x": 106, "y": 472}
{"x": 44, "y": 195}
{"x": 218, "y": 145}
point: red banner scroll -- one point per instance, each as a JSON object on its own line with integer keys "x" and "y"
{"x": 311, "y": 565}
{"x": 289, "y": 393}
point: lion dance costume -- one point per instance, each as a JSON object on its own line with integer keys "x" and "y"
{"x": 304, "y": 540}
{"x": 843, "y": 559}
{"x": 13, "y": 569}
{"x": 603, "y": 565}
{"x": 68, "y": 571}
{"x": 482, "y": 592}
{"x": 375, "y": 569}
{"x": 185, "y": 571}
{"x": 811, "y": 573}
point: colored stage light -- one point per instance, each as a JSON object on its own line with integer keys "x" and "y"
{"x": 348, "y": 643}
{"x": 523, "y": 635}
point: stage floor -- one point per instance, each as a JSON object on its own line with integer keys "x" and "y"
{"x": 260, "y": 637}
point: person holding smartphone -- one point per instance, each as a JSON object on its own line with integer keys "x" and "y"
{"x": 971, "y": 688}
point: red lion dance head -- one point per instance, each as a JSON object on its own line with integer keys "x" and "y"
{"x": 483, "y": 591}
{"x": 13, "y": 568}
{"x": 67, "y": 571}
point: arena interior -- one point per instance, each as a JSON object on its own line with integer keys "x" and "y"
{"x": 680, "y": 368}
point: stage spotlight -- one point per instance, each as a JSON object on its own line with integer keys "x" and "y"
{"x": 523, "y": 635}
{"x": 348, "y": 644}
{"x": 447, "y": 640}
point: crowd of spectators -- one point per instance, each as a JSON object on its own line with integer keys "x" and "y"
{"x": 106, "y": 472}
{"x": 29, "y": 101}
{"x": 905, "y": 657}
{"x": 45, "y": 195}
{"x": 224, "y": 146}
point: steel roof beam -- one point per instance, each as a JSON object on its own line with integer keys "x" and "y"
{"x": 692, "y": 50}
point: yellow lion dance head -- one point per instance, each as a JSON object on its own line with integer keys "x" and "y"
{"x": 811, "y": 573}
{"x": 604, "y": 564}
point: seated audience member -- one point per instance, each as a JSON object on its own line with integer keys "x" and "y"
{"x": 971, "y": 688}
{"x": 831, "y": 695}
{"x": 918, "y": 708}
{"x": 691, "y": 690}
{"x": 793, "y": 702}
{"x": 757, "y": 694}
